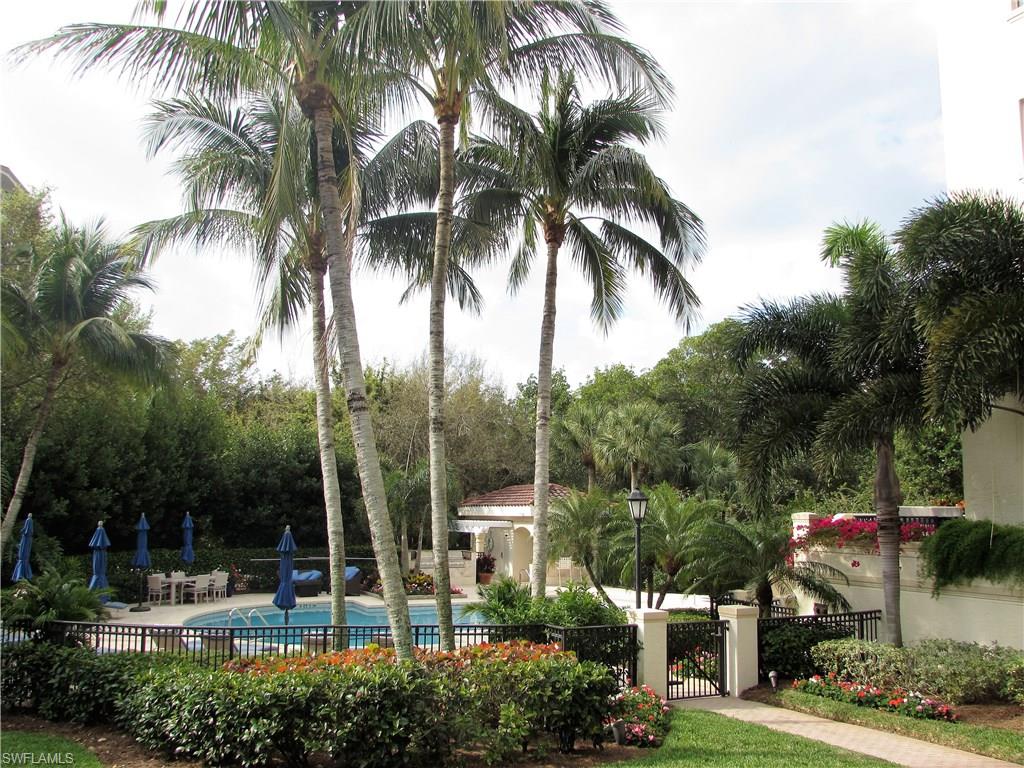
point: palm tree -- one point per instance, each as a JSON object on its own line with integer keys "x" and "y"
{"x": 672, "y": 524}
{"x": 713, "y": 471}
{"x": 758, "y": 557}
{"x": 249, "y": 180}
{"x": 578, "y": 429}
{"x": 579, "y": 526}
{"x": 638, "y": 437}
{"x": 569, "y": 174}
{"x": 965, "y": 256}
{"x": 222, "y": 49}
{"x": 76, "y": 304}
{"x": 834, "y": 376}
{"x": 456, "y": 51}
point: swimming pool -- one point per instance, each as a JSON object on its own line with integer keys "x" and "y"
{"x": 316, "y": 614}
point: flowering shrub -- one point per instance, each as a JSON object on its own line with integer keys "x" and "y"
{"x": 897, "y": 700}
{"x": 857, "y": 535}
{"x": 644, "y": 714}
{"x": 417, "y": 585}
{"x": 511, "y": 652}
{"x": 485, "y": 563}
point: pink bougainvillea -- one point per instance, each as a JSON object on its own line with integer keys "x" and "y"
{"x": 854, "y": 534}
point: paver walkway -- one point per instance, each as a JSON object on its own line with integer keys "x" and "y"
{"x": 856, "y": 738}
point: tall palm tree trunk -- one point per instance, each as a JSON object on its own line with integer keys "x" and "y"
{"x": 542, "y": 453}
{"x": 589, "y": 568}
{"x": 887, "y": 510}
{"x": 325, "y": 435}
{"x": 438, "y": 465}
{"x": 764, "y": 595}
{"x": 591, "y": 476}
{"x": 28, "y": 458}
{"x": 339, "y": 260}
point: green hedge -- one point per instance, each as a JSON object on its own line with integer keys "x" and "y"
{"x": 787, "y": 648}
{"x": 69, "y": 684}
{"x": 362, "y": 707}
{"x": 956, "y": 672}
{"x": 262, "y": 576}
{"x": 963, "y": 550}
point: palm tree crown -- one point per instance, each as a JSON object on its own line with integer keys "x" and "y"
{"x": 77, "y": 303}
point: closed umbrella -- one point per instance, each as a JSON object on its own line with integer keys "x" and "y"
{"x": 284, "y": 598}
{"x": 141, "y": 559}
{"x": 99, "y": 544}
{"x": 187, "y": 555}
{"x": 23, "y": 568}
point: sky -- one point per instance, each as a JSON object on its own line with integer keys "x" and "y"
{"x": 789, "y": 116}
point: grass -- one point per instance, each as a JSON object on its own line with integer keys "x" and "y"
{"x": 1000, "y": 743}
{"x": 709, "y": 740}
{"x": 43, "y": 746}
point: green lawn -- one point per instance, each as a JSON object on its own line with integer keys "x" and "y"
{"x": 706, "y": 739}
{"x": 1000, "y": 743}
{"x": 44, "y": 746}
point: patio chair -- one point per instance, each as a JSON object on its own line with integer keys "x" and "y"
{"x": 200, "y": 588}
{"x": 159, "y": 590}
{"x": 171, "y": 640}
{"x": 307, "y": 583}
{"x": 353, "y": 581}
{"x": 218, "y": 585}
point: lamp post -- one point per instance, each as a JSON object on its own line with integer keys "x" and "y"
{"x": 638, "y": 510}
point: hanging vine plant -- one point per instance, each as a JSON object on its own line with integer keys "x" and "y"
{"x": 963, "y": 550}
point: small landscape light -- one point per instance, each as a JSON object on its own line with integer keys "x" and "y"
{"x": 774, "y": 677}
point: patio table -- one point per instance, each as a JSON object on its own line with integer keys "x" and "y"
{"x": 177, "y": 584}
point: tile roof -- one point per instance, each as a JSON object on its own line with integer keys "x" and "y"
{"x": 513, "y": 496}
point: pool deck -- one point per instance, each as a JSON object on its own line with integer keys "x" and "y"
{"x": 176, "y": 615}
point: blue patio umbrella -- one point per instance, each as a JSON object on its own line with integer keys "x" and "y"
{"x": 187, "y": 555}
{"x": 141, "y": 559}
{"x": 284, "y": 598}
{"x": 99, "y": 544}
{"x": 23, "y": 568}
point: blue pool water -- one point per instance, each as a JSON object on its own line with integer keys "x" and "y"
{"x": 313, "y": 614}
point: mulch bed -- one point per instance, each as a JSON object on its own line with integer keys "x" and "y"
{"x": 118, "y": 750}
{"x": 1000, "y": 715}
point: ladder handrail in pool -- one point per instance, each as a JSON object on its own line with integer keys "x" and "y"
{"x": 263, "y": 618}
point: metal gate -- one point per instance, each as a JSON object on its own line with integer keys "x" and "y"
{"x": 696, "y": 659}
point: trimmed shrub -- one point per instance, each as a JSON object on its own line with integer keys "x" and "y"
{"x": 1013, "y": 690}
{"x": 787, "y": 648}
{"x": 73, "y": 684}
{"x": 958, "y": 672}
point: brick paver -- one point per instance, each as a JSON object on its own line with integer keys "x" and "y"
{"x": 886, "y": 746}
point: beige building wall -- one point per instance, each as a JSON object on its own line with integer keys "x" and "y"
{"x": 981, "y": 612}
{"x": 994, "y": 466}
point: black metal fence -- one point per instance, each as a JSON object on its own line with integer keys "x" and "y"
{"x": 613, "y": 646}
{"x": 775, "y": 610}
{"x": 697, "y": 659}
{"x": 863, "y": 625}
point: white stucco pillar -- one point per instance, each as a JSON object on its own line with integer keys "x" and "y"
{"x": 652, "y": 659}
{"x": 740, "y": 646}
{"x": 802, "y": 522}
{"x": 480, "y": 542}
